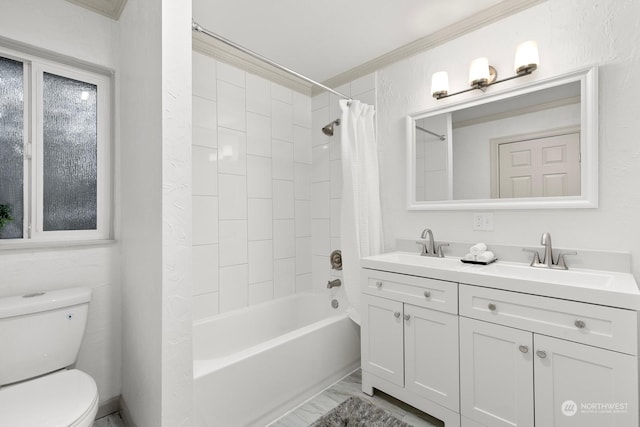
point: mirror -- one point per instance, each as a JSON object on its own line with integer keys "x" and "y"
{"x": 529, "y": 147}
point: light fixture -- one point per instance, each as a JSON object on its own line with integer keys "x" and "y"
{"x": 483, "y": 75}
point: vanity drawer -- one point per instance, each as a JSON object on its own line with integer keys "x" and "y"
{"x": 600, "y": 326}
{"x": 423, "y": 292}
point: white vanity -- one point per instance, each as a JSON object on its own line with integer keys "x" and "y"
{"x": 503, "y": 344}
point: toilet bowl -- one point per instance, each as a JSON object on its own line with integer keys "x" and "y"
{"x": 66, "y": 398}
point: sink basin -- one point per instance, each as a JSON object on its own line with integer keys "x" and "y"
{"x": 564, "y": 277}
{"x": 416, "y": 260}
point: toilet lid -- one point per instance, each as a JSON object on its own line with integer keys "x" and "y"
{"x": 54, "y": 400}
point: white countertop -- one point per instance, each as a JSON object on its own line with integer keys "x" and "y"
{"x": 592, "y": 286}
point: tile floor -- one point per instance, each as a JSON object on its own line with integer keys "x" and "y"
{"x": 305, "y": 414}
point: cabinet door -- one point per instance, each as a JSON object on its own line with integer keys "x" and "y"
{"x": 577, "y": 385}
{"x": 431, "y": 355}
{"x": 496, "y": 374}
{"x": 382, "y": 339}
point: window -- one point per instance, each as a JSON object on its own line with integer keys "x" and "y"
{"x": 54, "y": 150}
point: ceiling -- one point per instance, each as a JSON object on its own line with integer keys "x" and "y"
{"x": 322, "y": 39}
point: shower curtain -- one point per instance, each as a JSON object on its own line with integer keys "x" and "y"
{"x": 361, "y": 215}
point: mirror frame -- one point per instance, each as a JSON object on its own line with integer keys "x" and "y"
{"x": 588, "y": 198}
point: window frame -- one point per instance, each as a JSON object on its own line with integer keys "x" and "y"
{"x": 34, "y": 68}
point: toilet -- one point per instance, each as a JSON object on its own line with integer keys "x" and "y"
{"x": 40, "y": 336}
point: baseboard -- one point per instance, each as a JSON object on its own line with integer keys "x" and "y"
{"x": 125, "y": 414}
{"x": 108, "y": 407}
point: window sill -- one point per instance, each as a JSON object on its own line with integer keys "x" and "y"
{"x": 58, "y": 244}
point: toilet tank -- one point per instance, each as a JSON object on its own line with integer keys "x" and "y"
{"x": 41, "y": 332}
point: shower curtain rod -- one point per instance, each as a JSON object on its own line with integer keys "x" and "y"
{"x": 442, "y": 138}
{"x": 197, "y": 27}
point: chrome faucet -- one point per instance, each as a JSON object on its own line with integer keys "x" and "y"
{"x": 429, "y": 246}
{"x": 547, "y": 258}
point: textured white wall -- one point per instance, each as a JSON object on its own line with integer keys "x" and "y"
{"x": 571, "y": 34}
{"x": 62, "y": 28}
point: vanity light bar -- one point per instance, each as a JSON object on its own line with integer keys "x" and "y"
{"x": 482, "y": 75}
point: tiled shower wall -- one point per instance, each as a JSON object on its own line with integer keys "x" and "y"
{"x": 326, "y": 177}
{"x": 251, "y": 189}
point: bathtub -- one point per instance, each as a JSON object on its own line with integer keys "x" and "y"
{"x": 254, "y": 364}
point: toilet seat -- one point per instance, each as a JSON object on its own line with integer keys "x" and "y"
{"x": 67, "y": 398}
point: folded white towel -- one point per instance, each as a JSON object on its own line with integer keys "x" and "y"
{"x": 485, "y": 256}
{"x": 469, "y": 257}
{"x": 477, "y": 249}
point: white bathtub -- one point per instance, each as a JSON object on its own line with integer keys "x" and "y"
{"x": 255, "y": 364}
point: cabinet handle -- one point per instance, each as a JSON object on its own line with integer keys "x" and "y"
{"x": 541, "y": 354}
{"x": 407, "y": 316}
{"x": 524, "y": 349}
{"x": 427, "y": 294}
{"x": 396, "y": 314}
{"x": 579, "y": 324}
{"x": 492, "y": 307}
{"x": 378, "y": 285}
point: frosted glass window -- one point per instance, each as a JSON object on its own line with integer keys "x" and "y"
{"x": 12, "y": 145}
{"x": 70, "y": 166}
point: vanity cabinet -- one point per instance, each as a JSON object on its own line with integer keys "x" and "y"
{"x": 527, "y": 377}
{"x": 409, "y": 349}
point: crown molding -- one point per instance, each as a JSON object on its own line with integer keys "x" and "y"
{"x": 451, "y": 32}
{"x": 109, "y": 8}
{"x": 212, "y": 47}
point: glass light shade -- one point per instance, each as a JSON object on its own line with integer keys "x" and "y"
{"x": 439, "y": 84}
{"x": 479, "y": 72}
{"x": 527, "y": 58}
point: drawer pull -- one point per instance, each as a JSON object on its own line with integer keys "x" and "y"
{"x": 541, "y": 354}
{"x": 492, "y": 307}
{"x": 378, "y": 285}
{"x": 407, "y": 316}
{"x": 524, "y": 349}
{"x": 579, "y": 324}
{"x": 427, "y": 294}
{"x": 396, "y": 314}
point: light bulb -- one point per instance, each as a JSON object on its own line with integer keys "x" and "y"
{"x": 479, "y": 72}
{"x": 527, "y": 58}
{"x": 439, "y": 84}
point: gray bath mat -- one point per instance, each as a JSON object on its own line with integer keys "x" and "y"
{"x": 355, "y": 412}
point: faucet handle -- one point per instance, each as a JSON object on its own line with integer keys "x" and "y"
{"x": 423, "y": 245}
{"x": 536, "y": 255}
{"x": 440, "y": 253}
{"x": 561, "y": 264}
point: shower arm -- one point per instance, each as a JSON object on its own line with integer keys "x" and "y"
{"x": 198, "y": 28}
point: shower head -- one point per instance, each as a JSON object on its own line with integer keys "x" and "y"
{"x": 328, "y": 129}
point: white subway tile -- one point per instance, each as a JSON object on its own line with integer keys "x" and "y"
{"x": 334, "y": 101}
{"x": 281, "y": 93}
{"x": 261, "y": 219}
{"x": 231, "y": 106}
{"x": 232, "y": 191}
{"x": 205, "y": 305}
{"x": 284, "y": 238}
{"x": 320, "y": 230}
{"x": 320, "y": 200}
{"x": 282, "y": 158}
{"x": 260, "y": 292}
{"x": 260, "y": 261}
{"x": 303, "y": 218}
{"x": 232, "y": 151}
{"x": 284, "y": 277}
{"x": 205, "y": 220}
{"x": 283, "y": 200}
{"x": 259, "y": 177}
{"x": 335, "y": 243}
{"x": 204, "y": 113}
{"x": 321, "y": 269}
{"x": 301, "y": 144}
{"x": 321, "y": 169}
{"x": 304, "y": 283}
{"x": 205, "y": 269}
{"x": 303, "y": 255}
{"x": 234, "y": 288}
{"x": 302, "y": 181}
{"x": 335, "y": 217}
{"x": 204, "y": 171}
{"x": 205, "y": 137}
{"x": 320, "y": 101}
{"x": 204, "y": 76}
{"x": 281, "y": 121}
{"x": 336, "y": 179}
{"x": 231, "y": 74}
{"x": 335, "y": 149}
{"x": 233, "y": 243}
{"x": 258, "y": 135}
{"x": 301, "y": 110}
{"x": 258, "y": 95}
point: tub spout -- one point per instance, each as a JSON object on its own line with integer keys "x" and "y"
{"x": 333, "y": 283}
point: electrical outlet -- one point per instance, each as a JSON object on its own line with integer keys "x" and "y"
{"x": 483, "y": 221}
